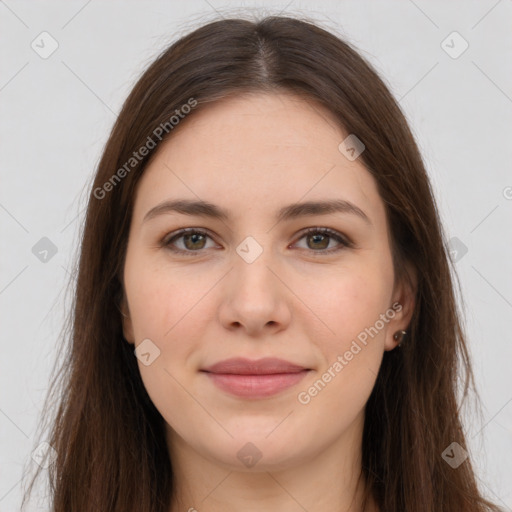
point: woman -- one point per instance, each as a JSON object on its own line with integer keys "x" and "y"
{"x": 264, "y": 314}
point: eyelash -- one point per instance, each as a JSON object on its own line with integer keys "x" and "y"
{"x": 343, "y": 241}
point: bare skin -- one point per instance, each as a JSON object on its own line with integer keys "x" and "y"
{"x": 300, "y": 300}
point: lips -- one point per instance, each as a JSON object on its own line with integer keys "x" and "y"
{"x": 245, "y": 378}
{"x": 265, "y": 366}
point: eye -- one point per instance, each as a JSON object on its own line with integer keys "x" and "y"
{"x": 318, "y": 240}
{"x": 193, "y": 240}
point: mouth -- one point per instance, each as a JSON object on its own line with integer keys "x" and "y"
{"x": 255, "y": 378}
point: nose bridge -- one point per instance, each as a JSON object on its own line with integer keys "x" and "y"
{"x": 255, "y": 296}
{"x": 252, "y": 261}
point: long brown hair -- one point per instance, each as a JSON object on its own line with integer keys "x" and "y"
{"x": 108, "y": 435}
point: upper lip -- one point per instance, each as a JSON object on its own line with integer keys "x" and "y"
{"x": 265, "y": 366}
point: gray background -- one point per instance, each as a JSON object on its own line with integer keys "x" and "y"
{"x": 56, "y": 113}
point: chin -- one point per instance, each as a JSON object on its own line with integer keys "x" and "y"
{"x": 253, "y": 449}
{"x": 257, "y": 457}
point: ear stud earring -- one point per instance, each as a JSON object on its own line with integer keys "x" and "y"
{"x": 399, "y": 336}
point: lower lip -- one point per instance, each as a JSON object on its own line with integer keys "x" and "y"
{"x": 256, "y": 386}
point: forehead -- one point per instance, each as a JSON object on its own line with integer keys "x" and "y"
{"x": 257, "y": 149}
{"x": 244, "y": 125}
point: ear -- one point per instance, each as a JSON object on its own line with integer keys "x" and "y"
{"x": 403, "y": 303}
{"x": 126, "y": 321}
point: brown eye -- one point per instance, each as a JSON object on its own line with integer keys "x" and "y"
{"x": 194, "y": 241}
{"x": 319, "y": 239}
{"x": 187, "y": 241}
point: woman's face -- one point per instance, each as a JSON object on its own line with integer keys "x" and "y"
{"x": 254, "y": 284}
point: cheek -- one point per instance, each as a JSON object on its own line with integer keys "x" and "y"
{"x": 351, "y": 306}
{"x": 350, "y": 302}
{"x": 159, "y": 299}
{"x": 170, "y": 307}
{"x": 163, "y": 306}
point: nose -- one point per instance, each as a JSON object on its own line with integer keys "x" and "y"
{"x": 255, "y": 298}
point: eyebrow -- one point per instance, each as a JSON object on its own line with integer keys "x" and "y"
{"x": 292, "y": 211}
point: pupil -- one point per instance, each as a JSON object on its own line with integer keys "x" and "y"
{"x": 315, "y": 237}
{"x": 194, "y": 237}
